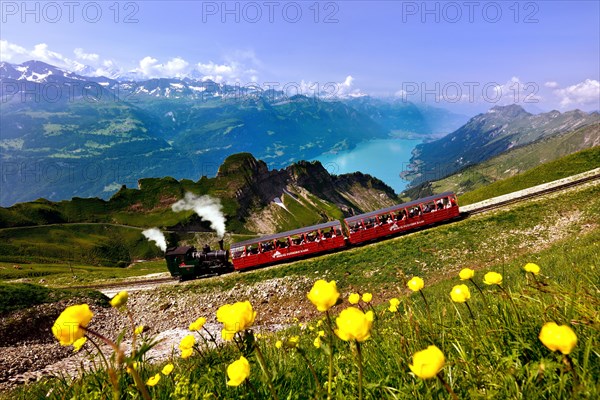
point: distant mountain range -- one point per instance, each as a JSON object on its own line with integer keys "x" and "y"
{"x": 487, "y": 135}
{"x": 63, "y": 134}
{"x": 254, "y": 198}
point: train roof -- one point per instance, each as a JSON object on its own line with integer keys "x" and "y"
{"x": 397, "y": 206}
{"x": 178, "y": 251}
{"x": 286, "y": 234}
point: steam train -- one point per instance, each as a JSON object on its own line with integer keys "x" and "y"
{"x": 187, "y": 263}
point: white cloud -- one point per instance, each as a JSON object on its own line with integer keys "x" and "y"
{"x": 583, "y": 93}
{"x": 328, "y": 89}
{"x": 551, "y": 84}
{"x": 514, "y": 91}
{"x": 80, "y": 54}
{"x": 8, "y": 51}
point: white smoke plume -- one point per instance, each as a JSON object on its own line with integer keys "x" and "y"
{"x": 208, "y": 208}
{"x": 157, "y": 236}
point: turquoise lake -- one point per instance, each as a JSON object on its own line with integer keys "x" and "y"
{"x": 382, "y": 158}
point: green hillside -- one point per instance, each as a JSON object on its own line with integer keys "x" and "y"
{"x": 573, "y": 164}
{"x": 513, "y": 162}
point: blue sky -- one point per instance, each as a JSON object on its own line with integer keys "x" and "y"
{"x": 466, "y": 55}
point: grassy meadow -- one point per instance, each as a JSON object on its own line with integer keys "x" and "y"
{"x": 491, "y": 348}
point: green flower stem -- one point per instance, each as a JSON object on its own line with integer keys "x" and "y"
{"x": 512, "y": 303}
{"x": 446, "y": 386}
{"x": 212, "y": 338}
{"x": 136, "y": 377}
{"x": 251, "y": 386}
{"x": 360, "y": 369}
{"x": 312, "y": 370}
{"x": 428, "y": 310}
{"x": 480, "y": 291}
{"x": 263, "y": 366}
{"x": 470, "y": 312}
{"x": 133, "y": 340}
{"x": 331, "y": 333}
{"x": 569, "y": 364}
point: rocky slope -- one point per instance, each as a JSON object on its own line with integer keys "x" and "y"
{"x": 490, "y": 134}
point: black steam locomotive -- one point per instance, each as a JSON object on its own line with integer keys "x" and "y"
{"x": 185, "y": 262}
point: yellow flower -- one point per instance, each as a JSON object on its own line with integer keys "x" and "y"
{"x": 321, "y": 333}
{"x": 492, "y": 278}
{"x": 187, "y": 343}
{"x": 119, "y": 300}
{"x": 139, "y": 330}
{"x": 533, "y": 268}
{"x": 292, "y": 342}
{"x": 354, "y": 298}
{"x": 79, "y": 343}
{"x": 557, "y": 337}
{"x": 197, "y": 324}
{"x": 317, "y": 342}
{"x": 238, "y": 371}
{"x": 153, "y": 380}
{"x": 394, "y": 303}
{"x": 69, "y": 325}
{"x": 367, "y": 297}
{"x": 466, "y": 274}
{"x": 167, "y": 369}
{"x": 353, "y": 324}
{"x": 131, "y": 367}
{"x": 460, "y": 293}
{"x": 186, "y": 353}
{"x": 427, "y": 363}
{"x": 323, "y": 295}
{"x": 235, "y": 318}
{"x": 415, "y": 284}
{"x": 278, "y": 344}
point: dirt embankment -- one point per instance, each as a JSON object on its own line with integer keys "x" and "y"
{"x": 28, "y": 351}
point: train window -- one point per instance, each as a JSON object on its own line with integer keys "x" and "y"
{"x": 312, "y": 236}
{"x": 429, "y": 207}
{"x": 282, "y": 243}
{"x": 297, "y": 240}
{"x": 238, "y": 252}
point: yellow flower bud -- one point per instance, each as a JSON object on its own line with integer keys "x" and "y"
{"x": 69, "y": 325}
{"x": 238, "y": 371}
{"x": 354, "y": 298}
{"x": 367, "y": 297}
{"x": 557, "y": 337}
{"x": 460, "y": 293}
{"x": 167, "y": 369}
{"x": 427, "y": 363}
{"x": 353, "y": 324}
{"x": 466, "y": 274}
{"x": 492, "y": 278}
{"x": 153, "y": 380}
{"x": 235, "y": 318}
{"x": 119, "y": 300}
{"x": 278, "y": 344}
{"x": 197, "y": 324}
{"x": 533, "y": 268}
{"x": 323, "y": 295}
{"x": 415, "y": 284}
{"x": 139, "y": 330}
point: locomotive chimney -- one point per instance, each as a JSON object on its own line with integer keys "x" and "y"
{"x": 221, "y": 244}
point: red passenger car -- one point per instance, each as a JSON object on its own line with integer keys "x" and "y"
{"x": 286, "y": 246}
{"x": 402, "y": 217}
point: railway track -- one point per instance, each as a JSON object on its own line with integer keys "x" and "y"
{"x": 531, "y": 195}
{"x": 474, "y": 209}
